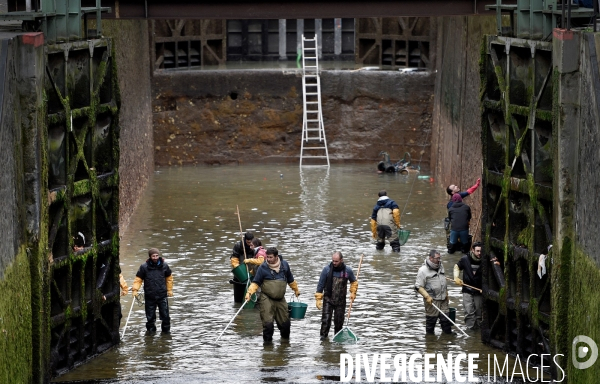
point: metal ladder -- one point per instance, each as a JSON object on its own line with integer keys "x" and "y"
{"x": 313, "y": 130}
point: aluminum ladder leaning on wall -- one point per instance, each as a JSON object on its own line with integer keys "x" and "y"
{"x": 314, "y": 143}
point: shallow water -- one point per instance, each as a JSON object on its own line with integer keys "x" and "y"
{"x": 190, "y": 215}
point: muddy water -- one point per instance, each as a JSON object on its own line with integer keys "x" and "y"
{"x": 189, "y": 214}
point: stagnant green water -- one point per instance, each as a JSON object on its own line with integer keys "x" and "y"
{"x": 189, "y": 214}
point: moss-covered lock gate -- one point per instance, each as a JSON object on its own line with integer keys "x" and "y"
{"x": 517, "y": 193}
{"x": 83, "y": 152}
{"x": 540, "y": 105}
{"x": 60, "y": 122}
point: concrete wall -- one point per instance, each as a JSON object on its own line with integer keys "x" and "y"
{"x": 136, "y": 163}
{"x": 225, "y": 117}
{"x": 456, "y": 144}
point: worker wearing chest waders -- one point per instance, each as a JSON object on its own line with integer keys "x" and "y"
{"x": 156, "y": 276}
{"x": 472, "y": 299}
{"x": 431, "y": 284}
{"x": 237, "y": 254}
{"x": 331, "y": 293}
{"x": 385, "y": 222}
{"x": 272, "y": 277}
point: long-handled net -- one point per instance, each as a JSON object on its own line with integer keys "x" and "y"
{"x": 403, "y": 236}
{"x": 345, "y": 335}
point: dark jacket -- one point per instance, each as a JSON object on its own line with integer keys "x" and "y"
{"x": 386, "y": 203}
{"x": 347, "y": 274}
{"x": 265, "y": 273}
{"x": 460, "y": 215}
{"x": 471, "y": 273}
{"x": 238, "y": 251}
{"x": 154, "y": 275}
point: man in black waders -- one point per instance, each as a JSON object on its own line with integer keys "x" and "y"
{"x": 273, "y": 277}
{"x": 385, "y": 222}
{"x": 158, "y": 284}
{"x": 431, "y": 284}
{"x": 333, "y": 281}
{"x": 237, "y": 255}
{"x": 472, "y": 299}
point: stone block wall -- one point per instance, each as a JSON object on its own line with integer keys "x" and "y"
{"x": 234, "y": 117}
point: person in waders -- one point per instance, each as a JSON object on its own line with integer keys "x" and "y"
{"x": 385, "y": 222}
{"x": 431, "y": 284}
{"x": 272, "y": 277}
{"x": 237, "y": 254}
{"x": 472, "y": 299}
{"x": 158, "y": 284}
{"x": 331, "y": 293}
{"x": 257, "y": 257}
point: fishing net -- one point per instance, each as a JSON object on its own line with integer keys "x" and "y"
{"x": 345, "y": 335}
{"x": 403, "y": 236}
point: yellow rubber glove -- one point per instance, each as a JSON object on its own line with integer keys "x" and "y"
{"x": 254, "y": 261}
{"x": 424, "y": 293}
{"x": 234, "y": 262}
{"x": 319, "y": 299}
{"x": 396, "y": 214}
{"x": 374, "y": 228}
{"x": 169, "y": 282}
{"x": 137, "y": 284}
{"x": 123, "y": 284}
{"x": 353, "y": 289}
{"x": 251, "y": 290}
{"x": 294, "y": 286}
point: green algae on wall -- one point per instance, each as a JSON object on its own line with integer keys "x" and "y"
{"x": 15, "y": 322}
{"x": 583, "y": 312}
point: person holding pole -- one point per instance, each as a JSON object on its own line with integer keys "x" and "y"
{"x": 241, "y": 252}
{"x": 472, "y": 299}
{"x": 158, "y": 284}
{"x": 273, "y": 277}
{"x": 431, "y": 284}
{"x": 331, "y": 291}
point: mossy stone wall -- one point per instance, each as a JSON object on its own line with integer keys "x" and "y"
{"x": 15, "y": 321}
{"x": 21, "y": 230}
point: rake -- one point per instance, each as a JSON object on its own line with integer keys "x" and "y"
{"x": 345, "y": 334}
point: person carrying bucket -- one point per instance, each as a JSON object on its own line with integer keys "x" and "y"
{"x": 385, "y": 222}
{"x": 472, "y": 299}
{"x": 331, "y": 293}
{"x": 431, "y": 284}
{"x": 272, "y": 278}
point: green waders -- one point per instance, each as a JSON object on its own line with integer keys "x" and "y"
{"x": 274, "y": 306}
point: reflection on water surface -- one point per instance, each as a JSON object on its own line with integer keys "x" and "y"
{"x": 189, "y": 214}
